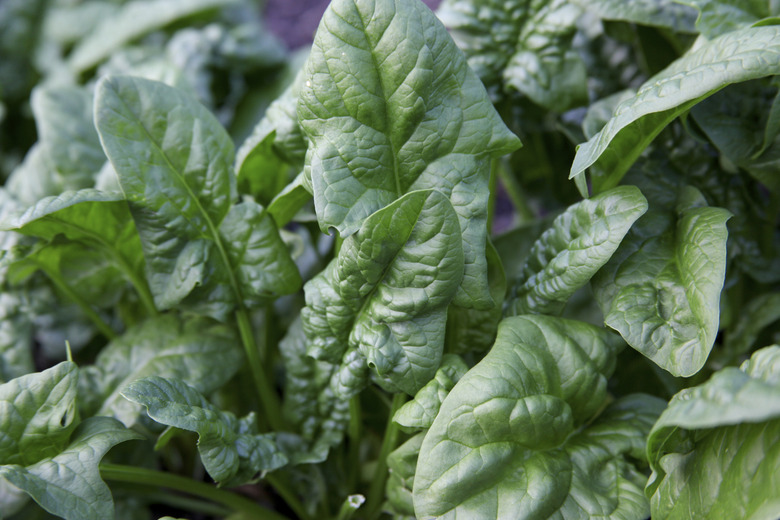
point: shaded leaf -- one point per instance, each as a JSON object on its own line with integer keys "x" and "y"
{"x": 660, "y": 13}
{"x": 717, "y": 17}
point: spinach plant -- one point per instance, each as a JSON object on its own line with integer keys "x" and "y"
{"x": 381, "y": 303}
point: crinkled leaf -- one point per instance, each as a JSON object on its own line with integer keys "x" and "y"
{"x": 661, "y": 289}
{"x": 661, "y": 13}
{"x": 717, "y": 17}
{"x": 133, "y": 20}
{"x": 37, "y": 414}
{"x": 68, "y": 483}
{"x": 16, "y": 338}
{"x": 198, "y": 351}
{"x": 390, "y": 106}
{"x": 737, "y": 56}
{"x": 579, "y": 243}
{"x": 173, "y": 160}
{"x": 419, "y": 413}
{"x": 232, "y": 451}
{"x": 401, "y": 464}
{"x": 387, "y": 292}
{"x": 714, "y": 450}
{"x": 513, "y": 439}
{"x": 522, "y": 44}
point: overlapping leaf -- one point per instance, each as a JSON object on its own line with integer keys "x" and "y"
{"x": 384, "y": 299}
{"x": 511, "y": 440}
{"x": 714, "y": 450}
{"x": 390, "y": 106}
{"x": 717, "y": 17}
{"x": 661, "y": 13}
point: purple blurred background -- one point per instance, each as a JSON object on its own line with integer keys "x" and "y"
{"x": 295, "y": 21}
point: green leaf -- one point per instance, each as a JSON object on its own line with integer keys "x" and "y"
{"x": 401, "y": 464}
{"x": 737, "y": 56}
{"x": 760, "y": 312}
{"x": 175, "y": 171}
{"x": 419, "y": 413}
{"x": 520, "y": 435}
{"x": 68, "y": 484}
{"x": 37, "y": 414}
{"x": 522, "y": 45}
{"x": 387, "y": 292}
{"x": 660, "y": 13}
{"x": 717, "y": 17}
{"x": 390, "y": 106}
{"x": 231, "y": 449}
{"x": 289, "y": 202}
{"x": 198, "y": 351}
{"x": 661, "y": 289}
{"x": 134, "y": 20}
{"x": 714, "y": 450}
{"x": 578, "y": 244}
{"x": 16, "y": 338}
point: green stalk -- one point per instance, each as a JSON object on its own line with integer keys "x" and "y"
{"x": 493, "y": 184}
{"x": 272, "y": 410}
{"x": 377, "y": 490}
{"x": 350, "y": 505}
{"x": 515, "y": 193}
{"x": 354, "y": 433}
{"x": 99, "y": 322}
{"x": 158, "y": 496}
{"x": 149, "y": 477}
{"x": 281, "y": 487}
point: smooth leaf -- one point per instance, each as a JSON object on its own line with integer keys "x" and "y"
{"x": 133, "y": 20}
{"x": 37, "y": 414}
{"x": 717, "y": 17}
{"x": 521, "y": 436}
{"x": 231, "y": 449}
{"x": 660, "y": 13}
{"x": 566, "y": 256}
{"x": 173, "y": 160}
{"x": 714, "y": 435}
{"x": 198, "y": 351}
{"x": 68, "y": 484}
{"x": 387, "y": 292}
{"x": 734, "y": 57}
{"x": 390, "y": 106}
{"x": 661, "y": 289}
{"x": 401, "y": 464}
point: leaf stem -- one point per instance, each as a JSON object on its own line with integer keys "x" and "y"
{"x": 272, "y": 411}
{"x": 354, "y": 433}
{"x": 96, "y": 319}
{"x": 350, "y": 505}
{"x": 281, "y": 487}
{"x": 515, "y": 193}
{"x": 149, "y": 477}
{"x": 377, "y": 490}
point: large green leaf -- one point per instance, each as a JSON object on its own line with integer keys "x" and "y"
{"x": 390, "y": 106}
{"x": 521, "y": 435}
{"x": 714, "y": 450}
{"x": 198, "y": 351}
{"x": 386, "y": 294}
{"x": 37, "y": 414}
{"x": 661, "y": 289}
{"x": 737, "y": 56}
{"x": 232, "y": 451}
{"x": 133, "y": 20}
{"x": 173, "y": 160}
{"x": 717, "y": 17}
{"x": 567, "y": 255}
{"x": 525, "y": 45}
{"x": 68, "y": 483}
{"x": 661, "y": 13}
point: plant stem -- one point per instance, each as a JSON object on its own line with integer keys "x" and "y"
{"x": 272, "y": 411}
{"x": 99, "y": 322}
{"x": 149, "y": 477}
{"x": 515, "y": 193}
{"x": 350, "y": 505}
{"x": 281, "y": 487}
{"x": 493, "y": 184}
{"x": 154, "y": 496}
{"x": 377, "y": 490}
{"x": 354, "y": 441}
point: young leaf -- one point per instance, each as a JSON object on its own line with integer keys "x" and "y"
{"x": 661, "y": 289}
{"x": 516, "y": 437}
{"x": 387, "y": 292}
{"x": 737, "y": 56}
{"x": 68, "y": 483}
{"x": 173, "y": 160}
{"x": 524, "y": 45}
{"x": 198, "y": 351}
{"x": 714, "y": 435}
{"x": 401, "y": 464}
{"x": 231, "y": 449}
{"x": 567, "y": 255}
{"x": 37, "y": 414}
{"x": 390, "y": 106}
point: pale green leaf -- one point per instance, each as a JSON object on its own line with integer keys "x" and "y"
{"x": 660, "y": 13}
{"x": 232, "y": 451}
{"x": 387, "y": 292}
{"x": 714, "y": 450}
{"x": 16, "y": 338}
{"x": 737, "y": 56}
{"x": 661, "y": 289}
{"x": 68, "y": 483}
{"x": 401, "y": 464}
{"x": 522, "y": 434}
{"x": 390, "y": 106}
{"x": 717, "y": 17}
{"x": 566, "y": 256}
{"x": 37, "y": 414}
